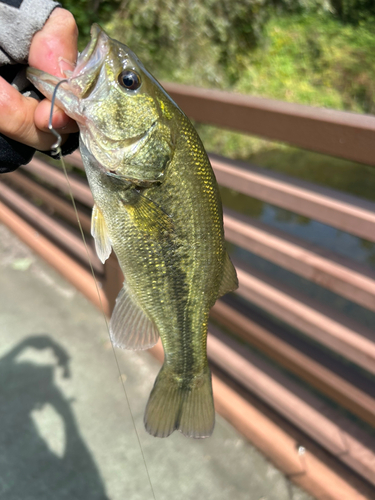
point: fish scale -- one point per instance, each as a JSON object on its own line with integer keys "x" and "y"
{"x": 157, "y": 205}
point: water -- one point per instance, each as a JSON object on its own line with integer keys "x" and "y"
{"x": 347, "y": 177}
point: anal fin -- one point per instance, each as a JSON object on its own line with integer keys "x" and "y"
{"x": 229, "y": 281}
{"x": 130, "y": 327}
{"x": 99, "y": 232}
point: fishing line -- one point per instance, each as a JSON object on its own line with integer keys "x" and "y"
{"x": 57, "y": 152}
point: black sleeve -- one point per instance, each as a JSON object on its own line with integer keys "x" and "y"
{"x": 14, "y": 154}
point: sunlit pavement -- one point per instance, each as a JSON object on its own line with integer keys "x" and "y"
{"x": 66, "y": 430}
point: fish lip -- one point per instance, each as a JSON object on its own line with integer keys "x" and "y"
{"x": 90, "y": 62}
{"x": 89, "y": 50}
{"x": 38, "y": 74}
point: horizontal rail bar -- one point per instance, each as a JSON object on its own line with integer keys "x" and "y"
{"x": 114, "y": 280}
{"x": 309, "y": 317}
{"x": 317, "y": 375}
{"x": 310, "y": 322}
{"x": 56, "y": 178}
{"x": 281, "y": 446}
{"x": 339, "y": 210}
{"x": 66, "y": 266}
{"x": 318, "y": 478}
{"x": 340, "y": 275}
{"x": 324, "y": 268}
{"x": 75, "y": 160}
{"x": 61, "y": 207}
{"x": 336, "y": 133}
{"x": 335, "y": 433}
{"x": 24, "y": 235}
{"x": 50, "y": 226}
{"x": 342, "y": 211}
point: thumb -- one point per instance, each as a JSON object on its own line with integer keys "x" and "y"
{"x": 51, "y": 47}
{"x": 55, "y": 44}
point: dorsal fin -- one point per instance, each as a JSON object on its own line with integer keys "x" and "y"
{"x": 229, "y": 281}
{"x": 130, "y": 327}
{"x": 99, "y": 232}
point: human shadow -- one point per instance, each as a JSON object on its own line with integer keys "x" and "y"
{"x": 29, "y": 470}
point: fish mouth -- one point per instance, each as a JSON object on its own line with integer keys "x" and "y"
{"x": 92, "y": 53}
{"x": 39, "y": 78}
{"x": 88, "y": 65}
{"x": 90, "y": 62}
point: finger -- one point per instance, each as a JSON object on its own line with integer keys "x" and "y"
{"x": 17, "y": 119}
{"x": 56, "y": 41}
{"x": 54, "y": 49}
{"x": 60, "y": 121}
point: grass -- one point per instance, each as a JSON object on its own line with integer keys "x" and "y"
{"x": 315, "y": 60}
{"x": 311, "y": 59}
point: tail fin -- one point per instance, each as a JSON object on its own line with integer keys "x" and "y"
{"x": 184, "y": 405}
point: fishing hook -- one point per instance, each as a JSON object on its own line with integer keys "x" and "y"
{"x": 55, "y": 148}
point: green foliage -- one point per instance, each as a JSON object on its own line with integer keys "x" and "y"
{"x": 315, "y": 52}
{"x": 87, "y": 12}
{"x": 314, "y": 60}
{"x": 301, "y": 6}
{"x": 212, "y": 36}
{"x": 353, "y": 11}
{"x": 348, "y": 11}
{"x": 309, "y": 57}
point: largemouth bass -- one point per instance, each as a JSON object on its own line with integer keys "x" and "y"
{"x": 157, "y": 205}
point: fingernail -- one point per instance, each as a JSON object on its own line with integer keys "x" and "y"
{"x": 59, "y": 119}
{"x": 66, "y": 67}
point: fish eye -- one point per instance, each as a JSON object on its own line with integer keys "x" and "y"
{"x": 129, "y": 80}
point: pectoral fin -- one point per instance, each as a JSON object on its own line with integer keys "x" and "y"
{"x": 229, "y": 280}
{"x": 99, "y": 232}
{"x": 130, "y": 327}
{"x": 149, "y": 216}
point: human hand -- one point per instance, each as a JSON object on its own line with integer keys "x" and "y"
{"x": 24, "y": 119}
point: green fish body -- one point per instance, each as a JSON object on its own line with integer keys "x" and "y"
{"x": 157, "y": 205}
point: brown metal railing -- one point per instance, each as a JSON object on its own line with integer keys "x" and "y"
{"x": 335, "y": 133}
{"x": 349, "y": 466}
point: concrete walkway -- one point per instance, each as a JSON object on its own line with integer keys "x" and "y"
{"x": 66, "y": 431}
